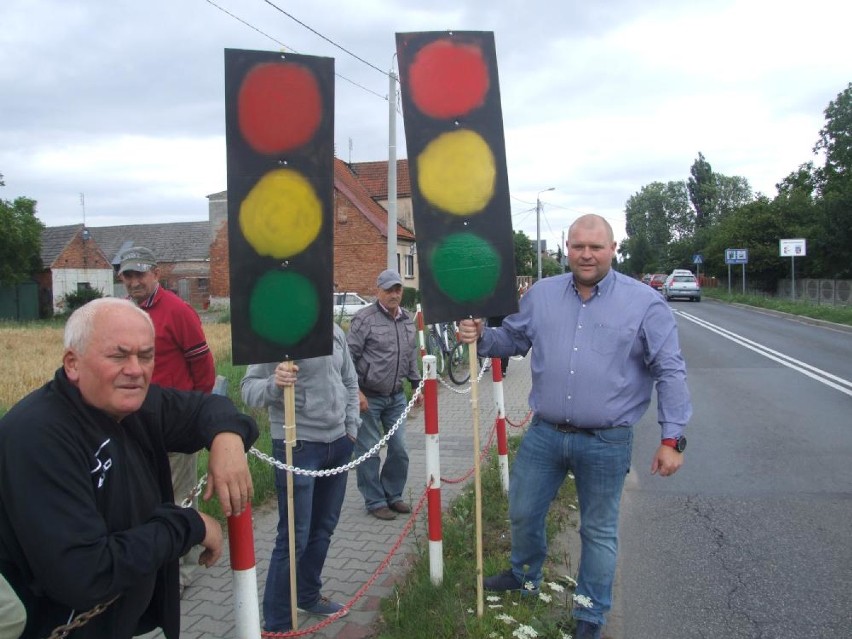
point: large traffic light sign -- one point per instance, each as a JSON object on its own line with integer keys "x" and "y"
{"x": 457, "y": 162}
{"x": 279, "y": 111}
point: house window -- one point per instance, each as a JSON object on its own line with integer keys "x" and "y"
{"x": 409, "y": 266}
{"x": 83, "y": 286}
{"x": 398, "y": 269}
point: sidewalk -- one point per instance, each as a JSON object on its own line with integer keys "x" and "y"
{"x": 361, "y": 542}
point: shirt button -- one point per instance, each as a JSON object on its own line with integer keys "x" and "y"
{"x": 575, "y": 348}
{"x": 572, "y": 372}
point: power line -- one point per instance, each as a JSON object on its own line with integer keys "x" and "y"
{"x": 251, "y": 26}
{"x": 329, "y": 40}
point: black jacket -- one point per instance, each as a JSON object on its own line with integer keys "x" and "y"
{"x": 85, "y": 506}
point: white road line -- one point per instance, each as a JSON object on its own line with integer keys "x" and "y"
{"x": 824, "y": 377}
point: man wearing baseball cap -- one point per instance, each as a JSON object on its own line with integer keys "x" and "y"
{"x": 382, "y": 343}
{"x": 182, "y": 358}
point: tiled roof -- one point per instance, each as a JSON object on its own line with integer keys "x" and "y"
{"x": 172, "y": 242}
{"x": 374, "y": 177}
{"x": 54, "y": 239}
{"x": 350, "y": 185}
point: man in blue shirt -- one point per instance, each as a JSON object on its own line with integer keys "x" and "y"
{"x": 600, "y": 341}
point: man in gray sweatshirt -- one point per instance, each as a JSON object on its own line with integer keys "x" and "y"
{"x": 327, "y": 421}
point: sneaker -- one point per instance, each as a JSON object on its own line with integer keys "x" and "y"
{"x": 587, "y": 630}
{"x": 383, "y": 513}
{"x": 507, "y": 582}
{"x": 400, "y": 507}
{"x": 325, "y": 607}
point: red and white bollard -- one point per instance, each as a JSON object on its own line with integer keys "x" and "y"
{"x": 421, "y": 332}
{"x": 433, "y": 470}
{"x": 502, "y": 442}
{"x": 241, "y": 544}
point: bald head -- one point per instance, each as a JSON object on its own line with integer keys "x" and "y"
{"x": 590, "y": 222}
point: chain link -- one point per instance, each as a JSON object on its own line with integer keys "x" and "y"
{"x": 349, "y": 466}
{"x": 60, "y": 632}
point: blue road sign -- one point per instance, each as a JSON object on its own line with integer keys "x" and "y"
{"x": 698, "y": 259}
{"x": 736, "y": 256}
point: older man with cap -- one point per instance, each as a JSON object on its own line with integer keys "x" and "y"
{"x": 382, "y": 343}
{"x": 182, "y": 359}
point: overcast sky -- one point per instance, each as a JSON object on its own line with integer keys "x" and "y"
{"x": 123, "y": 100}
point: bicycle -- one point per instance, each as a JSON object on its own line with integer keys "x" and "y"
{"x": 451, "y": 355}
{"x": 440, "y": 342}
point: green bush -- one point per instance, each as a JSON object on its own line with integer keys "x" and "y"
{"x": 410, "y": 297}
{"x": 73, "y": 301}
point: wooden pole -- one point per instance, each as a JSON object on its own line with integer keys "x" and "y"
{"x": 289, "y": 440}
{"x": 477, "y": 480}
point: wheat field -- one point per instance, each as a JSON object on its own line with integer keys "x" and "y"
{"x": 31, "y": 353}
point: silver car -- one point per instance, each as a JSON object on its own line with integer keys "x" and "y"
{"x": 683, "y": 286}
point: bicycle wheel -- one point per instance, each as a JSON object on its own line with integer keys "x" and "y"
{"x": 459, "y": 364}
{"x": 433, "y": 347}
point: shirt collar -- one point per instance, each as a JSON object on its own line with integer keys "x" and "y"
{"x": 388, "y": 313}
{"x": 600, "y": 288}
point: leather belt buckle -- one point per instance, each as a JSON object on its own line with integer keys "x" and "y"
{"x": 568, "y": 428}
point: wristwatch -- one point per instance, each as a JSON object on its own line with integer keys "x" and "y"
{"x": 678, "y": 444}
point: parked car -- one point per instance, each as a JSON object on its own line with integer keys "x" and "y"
{"x": 657, "y": 280}
{"x": 685, "y": 286}
{"x": 347, "y": 304}
{"x": 681, "y": 271}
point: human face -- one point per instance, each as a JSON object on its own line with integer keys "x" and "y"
{"x": 590, "y": 252}
{"x": 391, "y": 298}
{"x": 140, "y": 286}
{"x": 113, "y": 368}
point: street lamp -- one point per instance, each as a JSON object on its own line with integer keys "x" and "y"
{"x": 538, "y": 226}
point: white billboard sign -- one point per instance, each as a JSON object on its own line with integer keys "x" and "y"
{"x": 792, "y": 248}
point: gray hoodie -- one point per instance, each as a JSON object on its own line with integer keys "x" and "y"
{"x": 326, "y": 395}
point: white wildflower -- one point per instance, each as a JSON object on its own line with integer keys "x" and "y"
{"x": 555, "y": 587}
{"x": 494, "y": 635}
{"x": 562, "y": 635}
{"x": 525, "y": 632}
{"x": 572, "y": 507}
{"x": 495, "y": 606}
{"x": 570, "y": 475}
{"x": 470, "y": 611}
{"x": 546, "y": 598}
{"x": 528, "y": 585}
{"x": 572, "y": 583}
{"x": 493, "y": 598}
{"x": 507, "y": 619}
{"x": 583, "y": 600}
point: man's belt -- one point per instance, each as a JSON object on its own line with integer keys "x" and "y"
{"x": 565, "y": 427}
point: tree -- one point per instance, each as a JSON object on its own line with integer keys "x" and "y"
{"x": 20, "y": 241}
{"x": 656, "y": 216}
{"x": 702, "y": 192}
{"x": 524, "y": 254}
{"x": 834, "y": 181}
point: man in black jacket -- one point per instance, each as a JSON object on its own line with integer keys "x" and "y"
{"x": 86, "y": 503}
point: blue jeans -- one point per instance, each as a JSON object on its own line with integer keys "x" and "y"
{"x": 316, "y": 509}
{"x": 385, "y": 487}
{"x": 599, "y": 462}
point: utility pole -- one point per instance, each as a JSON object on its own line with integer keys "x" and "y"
{"x": 392, "y": 172}
{"x": 538, "y": 227}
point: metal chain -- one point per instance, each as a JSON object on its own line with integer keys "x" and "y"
{"x": 349, "y": 466}
{"x": 486, "y": 364}
{"x": 60, "y": 632}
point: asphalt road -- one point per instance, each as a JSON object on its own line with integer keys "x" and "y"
{"x": 753, "y": 537}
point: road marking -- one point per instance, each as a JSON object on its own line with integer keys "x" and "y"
{"x": 824, "y": 377}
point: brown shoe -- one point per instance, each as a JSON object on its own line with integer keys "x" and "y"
{"x": 400, "y": 507}
{"x": 383, "y": 513}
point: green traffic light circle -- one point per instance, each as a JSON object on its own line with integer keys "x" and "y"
{"x": 466, "y": 267}
{"x": 283, "y": 307}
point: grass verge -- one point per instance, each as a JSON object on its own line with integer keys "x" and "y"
{"x": 420, "y": 610}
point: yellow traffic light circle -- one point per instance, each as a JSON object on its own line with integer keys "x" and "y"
{"x": 457, "y": 172}
{"x": 281, "y": 215}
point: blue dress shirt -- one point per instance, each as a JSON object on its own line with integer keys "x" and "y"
{"x": 594, "y": 362}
